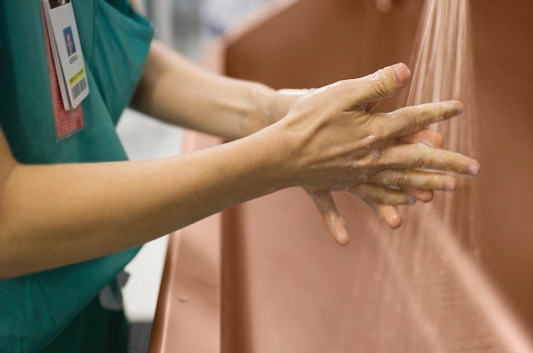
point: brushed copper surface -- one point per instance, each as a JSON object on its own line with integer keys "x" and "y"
{"x": 266, "y": 277}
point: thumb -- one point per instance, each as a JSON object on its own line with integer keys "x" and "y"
{"x": 381, "y": 84}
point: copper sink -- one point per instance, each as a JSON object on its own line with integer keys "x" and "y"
{"x": 266, "y": 277}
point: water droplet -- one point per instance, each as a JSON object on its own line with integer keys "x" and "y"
{"x": 369, "y": 140}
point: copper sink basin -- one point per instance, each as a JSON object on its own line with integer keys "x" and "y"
{"x": 266, "y": 277}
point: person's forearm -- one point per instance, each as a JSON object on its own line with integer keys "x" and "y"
{"x": 61, "y": 214}
{"x": 177, "y": 91}
{"x": 57, "y": 215}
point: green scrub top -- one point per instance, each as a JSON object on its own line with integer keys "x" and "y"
{"x": 36, "y": 308}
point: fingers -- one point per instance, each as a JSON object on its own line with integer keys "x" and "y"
{"x": 382, "y": 195}
{"x": 421, "y": 157}
{"x": 382, "y": 84}
{"x": 421, "y": 195}
{"x": 410, "y": 119}
{"x": 389, "y": 214}
{"x": 330, "y": 216}
{"x": 383, "y": 201}
{"x": 414, "y": 179}
{"x": 424, "y": 136}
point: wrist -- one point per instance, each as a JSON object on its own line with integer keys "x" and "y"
{"x": 276, "y": 104}
{"x": 260, "y": 117}
{"x": 280, "y": 147}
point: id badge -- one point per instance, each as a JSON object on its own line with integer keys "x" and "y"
{"x": 68, "y": 83}
{"x": 66, "y": 51}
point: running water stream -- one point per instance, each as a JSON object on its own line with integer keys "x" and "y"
{"x": 427, "y": 268}
{"x": 443, "y": 70}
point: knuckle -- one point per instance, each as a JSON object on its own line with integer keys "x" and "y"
{"x": 367, "y": 163}
{"x": 378, "y": 135}
{"x": 421, "y": 116}
{"x": 374, "y": 138}
{"x": 395, "y": 198}
{"x": 455, "y": 165}
{"x": 381, "y": 133}
{"x": 430, "y": 183}
{"x": 402, "y": 179}
{"x": 364, "y": 163}
{"x": 420, "y": 161}
{"x": 383, "y": 199}
{"x": 380, "y": 87}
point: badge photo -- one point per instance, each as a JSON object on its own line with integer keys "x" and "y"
{"x": 69, "y": 41}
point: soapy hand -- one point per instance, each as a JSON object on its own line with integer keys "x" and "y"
{"x": 384, "y": 191}
{"x": 388, "y": 189}
{"x": 385, "y": 159}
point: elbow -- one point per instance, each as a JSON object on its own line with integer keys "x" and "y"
{"x": 10, "y": 259}
{"x": 10, "y": 269}
{"x": 8, "y": 266}
{"x": 16, "y": 258}
{"x": 6, "y": 271}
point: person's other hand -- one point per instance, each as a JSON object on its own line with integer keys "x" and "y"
{"x": 388, "y": 189}
{"x": 381, "y": 199}
{"x": 338, "y": 143}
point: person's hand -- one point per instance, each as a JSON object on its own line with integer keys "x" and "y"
{"x": 389, "y": 189}
{"x": 382, "y": 193}
{"x": 336, "y": 142}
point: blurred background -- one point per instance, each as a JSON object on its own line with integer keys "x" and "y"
{"x": 187, "y": 26}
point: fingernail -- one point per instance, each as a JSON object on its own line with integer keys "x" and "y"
{"x": 401, "y": 73}
{"x": 473, "y": 169}
{"x": 450, "y": 185}
{"x": 459, "y": 107}
{"x": 395, "y": 221}
{"x": 462, "y": 109}
{"x": 342, "y": 238}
